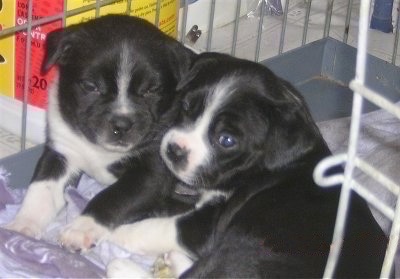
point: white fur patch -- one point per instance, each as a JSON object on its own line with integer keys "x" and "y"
{"x": 123, "y": 105}
{"x": 178, "y": 262}
{"x": 209, "y": 195}
{"x": 82, "y": 234}
{"x": 42, "y": 202}
{"x": 125, "y": 268}
{"x": 152, "y": 236}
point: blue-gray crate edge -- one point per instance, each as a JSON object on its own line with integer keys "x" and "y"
{"x": 322, "y": 70}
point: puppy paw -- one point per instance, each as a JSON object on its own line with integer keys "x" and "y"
{"x": 125, "y": 268}
{"x": 162, "y": 268}
{"x": 82, "y": 234}
{"x": 177, "y": 262}
{"x": 25, "y": 226}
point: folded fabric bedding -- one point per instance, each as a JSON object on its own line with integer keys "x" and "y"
{"x": 22, "y": 256}
{"x": 379, "y": 145}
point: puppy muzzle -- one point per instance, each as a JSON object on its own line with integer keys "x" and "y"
{"x": 177, "y": 155}
{"x": 120, "y": 125}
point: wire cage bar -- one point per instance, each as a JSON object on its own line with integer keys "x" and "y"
{"x": 352, "y": 161}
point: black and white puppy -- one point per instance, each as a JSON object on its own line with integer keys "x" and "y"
{"x": 246, "y": 140}
{"x": 108, "y": 106}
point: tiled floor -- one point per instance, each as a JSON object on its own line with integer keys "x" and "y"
{"x": 10, "y": 143}
{"x": 270, "y": 39}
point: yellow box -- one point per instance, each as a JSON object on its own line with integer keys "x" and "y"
{"x": 168, "y": 17}
{"x": 7, "y": 50}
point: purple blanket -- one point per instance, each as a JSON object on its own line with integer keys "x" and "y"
{"x": 22, "y": 256}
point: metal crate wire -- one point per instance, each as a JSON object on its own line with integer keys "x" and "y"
{"x": 350, "y": 159}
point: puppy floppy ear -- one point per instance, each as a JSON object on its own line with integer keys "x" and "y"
{"x": 292, "y": 133}
{"x": 187, "y": 78}
{"x": 199, "y": 63}
{"x": 58, "y": 49}
{"x": 181, "y": 59}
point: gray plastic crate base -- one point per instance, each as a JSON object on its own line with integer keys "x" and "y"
{"x": 21, "y": 166}
{"x": 321, "y": 71}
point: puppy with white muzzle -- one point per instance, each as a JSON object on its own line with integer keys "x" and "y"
{"x": 108, "y": 106}
{"x": 246, "y": 140}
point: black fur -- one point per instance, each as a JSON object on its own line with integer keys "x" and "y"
{"x": 276, "y": 222}
{"x": 92, "y": 129}
{"x": 145, "y": 190}
{"x": 90, "y": 53}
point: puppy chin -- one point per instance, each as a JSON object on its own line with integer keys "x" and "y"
{"x": 116, "y": 147}
{"x": 185, "y": 177}
{"x": 122, "y": 144}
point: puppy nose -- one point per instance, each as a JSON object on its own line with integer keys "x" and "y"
{"x": 120, "y": 124}
{"x": 176, "y": 154}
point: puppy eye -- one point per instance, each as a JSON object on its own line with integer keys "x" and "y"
{"x": 144, "y": 93}
{"x": 185, "y": 105}
{"x": 227, "y": 141}
{"x": 89, "y": 86}
{"x": 149, "y": 91}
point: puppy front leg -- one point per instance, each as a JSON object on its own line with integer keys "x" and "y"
{"x": 152, "y": 236}
{"x": 126, "y": 268}
{"x": 45, "y": 195}
{"x": 136, "y": 195}
{"x": 173, "y": 264}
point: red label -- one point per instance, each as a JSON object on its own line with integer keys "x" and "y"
{"x": 38, "y": 84}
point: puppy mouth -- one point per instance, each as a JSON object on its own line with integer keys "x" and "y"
{"x": 186, "y": 189}
{"x": 115, "y": 140}
{"x": 119, "y": 146}
{"x": 188, "y": 180}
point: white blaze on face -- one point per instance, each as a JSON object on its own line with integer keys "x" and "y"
{"x": 194, "y": 139}
{"x": 123, "y": 105}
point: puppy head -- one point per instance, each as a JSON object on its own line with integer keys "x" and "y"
{"x": 117, "y": 77}
{"x": 236, "y": 116}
